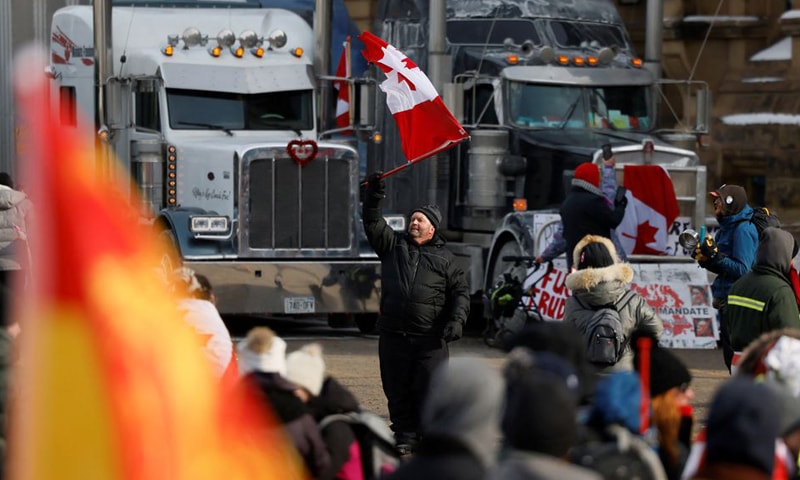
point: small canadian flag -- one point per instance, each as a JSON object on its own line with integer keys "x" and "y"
{"x": 425, "y": 124}
{"x": 343, "y": 98}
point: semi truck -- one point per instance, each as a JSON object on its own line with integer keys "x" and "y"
{"x": 214, "y": 112}
{"x": 540, "y": 87}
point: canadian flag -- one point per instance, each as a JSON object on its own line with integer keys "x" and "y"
{"x": 652, "y": 207}
{"x": 343, "y": 98}
{"x": 425, "y": 124}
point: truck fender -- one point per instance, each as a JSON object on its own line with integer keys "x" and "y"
{"x": 513, "y": 237}
{"x": 176, "y": 221}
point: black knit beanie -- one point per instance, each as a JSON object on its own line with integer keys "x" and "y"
{"x": 432, "y": 212}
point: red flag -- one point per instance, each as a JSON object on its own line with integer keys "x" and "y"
{"x": 426, "y": 125}
{"x": 343, "y": 99}
{"x": 652, "y": 207}
{"x": 113, "y": 383}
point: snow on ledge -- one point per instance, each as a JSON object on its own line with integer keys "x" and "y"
{"x": 790, "y": 14}
{"x": 782, "y": 50}
{"x": 761, "y": 119}
{"x": 763, "y": 79}
{"x": 721, "y": 19}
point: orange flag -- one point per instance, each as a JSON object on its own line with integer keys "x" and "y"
{"x": 112, "y": 384}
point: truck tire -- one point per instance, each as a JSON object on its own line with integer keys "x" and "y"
{"x": 498, "y": 266}
{"x": 170, "y": 255}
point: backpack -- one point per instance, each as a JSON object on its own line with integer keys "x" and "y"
{"x": 621, "y": 455}
{"x": 763, "y": 217}
{"x": 604, "y": 332}
{"x": 375, "y": 441}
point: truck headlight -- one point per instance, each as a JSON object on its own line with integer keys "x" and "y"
{"x": 396, "y": 222}
{"x": 209, "y": 224}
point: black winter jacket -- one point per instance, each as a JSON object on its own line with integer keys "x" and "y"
{"x": 586, "y": 212}
{"x": 422, "y": 288}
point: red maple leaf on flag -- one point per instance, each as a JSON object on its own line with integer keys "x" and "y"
{"x": 425, "y": 124}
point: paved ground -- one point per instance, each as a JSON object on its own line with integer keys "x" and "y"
{"x": 353, "y": 359}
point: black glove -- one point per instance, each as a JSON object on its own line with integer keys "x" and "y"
{"x": 619, "y": 198}
{"x": 376, "y": 186}
{"x": 452, "y": 331}
{"x": 707, "y": 248}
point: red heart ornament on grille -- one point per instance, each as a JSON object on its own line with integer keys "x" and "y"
{"x": 302, "y": 151}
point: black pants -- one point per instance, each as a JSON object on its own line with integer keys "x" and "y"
{"x": 407, "y": 363}
{"x": 724, "y": 333}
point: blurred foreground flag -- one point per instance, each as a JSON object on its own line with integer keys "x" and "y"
{"x": 112, "y": 383}
{"x": 425, "y": 124}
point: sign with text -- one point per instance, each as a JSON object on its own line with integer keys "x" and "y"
{"x": 679, "y": 292}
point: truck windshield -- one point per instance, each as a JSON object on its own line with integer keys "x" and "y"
{"x": 560, "y": 106}
{"x": 201, "y": 110}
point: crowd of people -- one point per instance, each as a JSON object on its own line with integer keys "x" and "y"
{"x": 591, "y": 397}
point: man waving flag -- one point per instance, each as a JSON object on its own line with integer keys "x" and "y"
{"x": 426, "y": 125}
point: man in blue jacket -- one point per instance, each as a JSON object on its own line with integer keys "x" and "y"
{"x": 730, "y": 254}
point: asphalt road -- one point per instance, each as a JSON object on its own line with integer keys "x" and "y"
{"x": 353, "y": 359}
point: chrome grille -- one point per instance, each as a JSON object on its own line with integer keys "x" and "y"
{"x": 295, "y": 207}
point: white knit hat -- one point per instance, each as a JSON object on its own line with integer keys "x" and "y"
{"x": 306, "y": 368}
{"x": 263, "y": 351}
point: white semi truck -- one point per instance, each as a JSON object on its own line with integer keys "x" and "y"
{"x": 214, "y": 113}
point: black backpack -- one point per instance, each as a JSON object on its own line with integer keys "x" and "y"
{"x": 604, "y": 335}
{"x": 619, "y": 455}
{"x": 763, "y": 217}
{"x": 375, "y": 441}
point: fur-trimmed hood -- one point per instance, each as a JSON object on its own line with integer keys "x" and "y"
{"x": 616, "y": 276}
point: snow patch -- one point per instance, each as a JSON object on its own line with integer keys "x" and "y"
{"x": 761, "y": 119}
{"x": 782, "y": 50}
{"x": 720, "y": 19}
{"x": 763, "y": 80}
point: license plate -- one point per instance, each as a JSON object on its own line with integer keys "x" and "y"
{"x": 298, "y": 305}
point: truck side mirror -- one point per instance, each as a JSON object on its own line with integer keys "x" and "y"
{"x": 366, "y": 103}
{"x": 453, "y": 97}
{"x": 703, "y": 111}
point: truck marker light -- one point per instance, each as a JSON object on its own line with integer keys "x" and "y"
{"x": 637, "y": 62}
{"x": 191, "y": 37}
{"x": 277, "y": 39}
{"x": 377, "y": 138}
{"x": 168, "y": 50}
{"x": 520, "y": 204}
{"x": 249, "y": 39}
{"x": 297, "y": 52}
{"x": 578, "y": 61}
{"x": 563, "y": 60}
{"x": 215, "y": 51}
{"x": 512, "y": 59}
{"x": 226, "y": 38}
{"x": 258, "y": 51}
{"x": 237, "y": 52}
{"x": 591, "y": 61}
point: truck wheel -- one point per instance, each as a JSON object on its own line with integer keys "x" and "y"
{"x": 170, "y": 256}
{"x": 499, "y": 266}
{"x": 366, "y": 322}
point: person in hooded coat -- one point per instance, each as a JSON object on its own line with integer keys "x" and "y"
{"x": 763, "y": 299}
{"x": 460, "y": 424}
{"x": 16, "y": 211}
{"x": 602, "y": 280}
